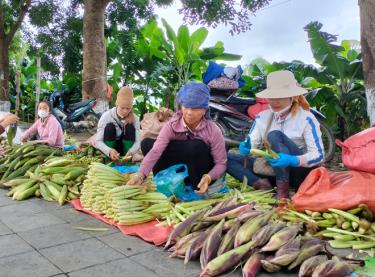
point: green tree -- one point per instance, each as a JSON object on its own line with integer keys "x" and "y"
{"x": 202, "y": 12}
{"x": 12, "y": 15}
{"x": 177, "y": 57}
{"x": 338, "y": 82}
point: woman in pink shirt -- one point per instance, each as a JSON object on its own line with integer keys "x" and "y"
{"x": 47, "y": 128}
{"x": 187, "y": 138}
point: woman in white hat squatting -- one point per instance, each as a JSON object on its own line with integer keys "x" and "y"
{"x": 290, "y": 129}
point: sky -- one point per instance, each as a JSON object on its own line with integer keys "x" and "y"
{"x": 277, "y": 32}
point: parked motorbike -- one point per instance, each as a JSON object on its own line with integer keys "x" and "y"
{"x": 76, "y": 117}
{"x": 230, "y": 113}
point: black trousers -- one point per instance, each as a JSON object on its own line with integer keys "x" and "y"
{"x": 123, "y": 143}
{"x": 194, "y": 153}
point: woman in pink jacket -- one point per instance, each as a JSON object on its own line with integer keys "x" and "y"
{"x": 47, "y": 128}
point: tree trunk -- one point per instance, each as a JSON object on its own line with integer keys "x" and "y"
{"x": 94, "y": 82}
{"x": 4, "y": 72}
{"x": 367, "y": 14}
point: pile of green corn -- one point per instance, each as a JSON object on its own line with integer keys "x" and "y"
{"x": 104, "y": 192}
{"x": 344, "y": 229}
{"x": 4, "y": 147}
{"x": 87, "y": 153}
{"x": 25, "y": 158}
{"x": 57, "y": 179}
{"x": 230, "y": 234}
{"x": 239, "y": 191}
{"x": 182, "y": 210}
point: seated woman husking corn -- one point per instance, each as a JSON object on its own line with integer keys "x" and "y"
{"x": 118, "y": 131}
{"x": 289, "y": 129}
{"x": 190, "y": 138}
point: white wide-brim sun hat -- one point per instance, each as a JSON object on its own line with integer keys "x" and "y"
{"x": 281, "y": 84}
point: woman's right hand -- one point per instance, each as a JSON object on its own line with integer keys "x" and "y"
{"x": 23, "y": 138}
{"x": 9, "y": 119}
{"x": 114, "y": 155}
{"x": 136, "y": 180}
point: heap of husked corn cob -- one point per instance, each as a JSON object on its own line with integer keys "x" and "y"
{"x": 105, "y": 192}
{"x": 345, "y": 229}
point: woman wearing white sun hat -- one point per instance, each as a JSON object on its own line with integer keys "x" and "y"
{"x": 291, "y": 130}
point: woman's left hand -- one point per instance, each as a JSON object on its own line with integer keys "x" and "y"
{"x": 203, "y": 184}
{"x": 284, "y": 160}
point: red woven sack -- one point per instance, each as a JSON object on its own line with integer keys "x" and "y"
{"x": 323, "y": 189}
{"x": 358, "y": 151}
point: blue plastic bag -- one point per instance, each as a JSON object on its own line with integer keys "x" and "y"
{"x": 126, "y": 169}
{"x": 217, "y": 187}
{"x": 169, "y": 181}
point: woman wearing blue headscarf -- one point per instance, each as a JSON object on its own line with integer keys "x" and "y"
{"x": 190, "y": 138}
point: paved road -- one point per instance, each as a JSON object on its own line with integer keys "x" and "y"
{"x": 38, "y": 239}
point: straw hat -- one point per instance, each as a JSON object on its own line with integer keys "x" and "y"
{"x": 281, "y": 84}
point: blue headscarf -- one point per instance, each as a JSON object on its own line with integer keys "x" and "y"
{"x": 194, "y": 95}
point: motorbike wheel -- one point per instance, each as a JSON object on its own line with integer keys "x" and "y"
{"x": 328, "y": 141}
{"x": 229, "y": 140}
{"x": 93, "y": 122}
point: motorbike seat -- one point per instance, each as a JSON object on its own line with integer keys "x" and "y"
{"x": 77, "y": 105}
{"x": 241, "y": 101}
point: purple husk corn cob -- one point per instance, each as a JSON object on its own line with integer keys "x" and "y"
{"x": 253, "y": 265}
{"x": 248, "y": 229}
{"x": 287, "y": 253}
{"x": 226, "y": 203}
{"x": 226, "y": 261}
{"x": 263, "y": 235}
{"x": 309, "y": 249}
{"x": 228, "y": 241}
{"x": 212, "y": 244}
{"x": 229, "y": 212}
{"x": 281, "y": 238}
{"x": 308, "y": 266}
{"x": 332, "y": 268}
{"x": 247, "y": 215}
{"x": 194, "y": 250}
{"x": 229, "y": 224}
{"x": 268, "y": 266}
{"x": 184, "y": 227}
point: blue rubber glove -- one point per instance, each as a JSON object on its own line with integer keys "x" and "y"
{"x": 245, "y": 147}
{"x": 284, "y": 160}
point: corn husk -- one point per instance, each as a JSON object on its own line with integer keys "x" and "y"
{"x": 253, "y": 265}
{"x": 281, "y": 238}
{"x": 309, "y": 249}
{"x": 228, "y": 241}
{"x": 194, "y": 250}
{"x": 332, "y": 268}
{"x": 270, "y": 267}
{"x": 287, "y": 253}
{"x": 212, "y": 244}
{"x": 263, "y": 235}
{"x": 247, "y": 230}
{"x": 184, "y": 227}
{"x": 308, "y": 266}
{"x": 226, "y": 261}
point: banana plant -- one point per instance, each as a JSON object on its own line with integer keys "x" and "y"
{"x": 180, "y": 56}
{"x": 338, "y": 83}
